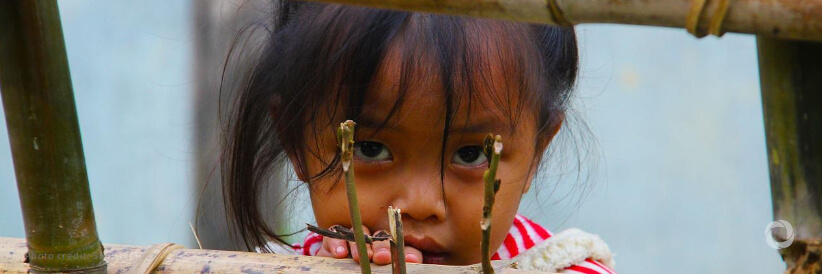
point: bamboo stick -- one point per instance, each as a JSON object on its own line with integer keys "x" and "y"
{"x": 121, "y": 258}
{"x": 45, "y": 140}
{"x": 343, "y": 233}
{"x": 782, "y": 19}
{"x": 791, "y": 80}
{"x": 345, "y": 137}
{"x": 493, "y": 148}
{"x": 397, "y": 241}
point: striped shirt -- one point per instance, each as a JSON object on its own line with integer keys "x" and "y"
{"x": 522, "y": 235}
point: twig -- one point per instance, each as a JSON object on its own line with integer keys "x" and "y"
{"x": 397, "y": 241}
{"x": 492, "y": 150}
{"x": 343, "y": 233}
{"x": 196, "y": 237}
{"x": 345, "y": 137}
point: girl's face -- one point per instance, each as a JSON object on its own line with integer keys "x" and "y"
{"x": 400, "y": 164}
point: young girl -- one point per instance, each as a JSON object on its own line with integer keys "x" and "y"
{"x": 424, "y": 90}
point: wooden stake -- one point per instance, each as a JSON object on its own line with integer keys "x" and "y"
{"x": 345, "y": 137}
{"x": 492, "y": 150}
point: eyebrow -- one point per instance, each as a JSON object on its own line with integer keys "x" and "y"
{"x": 482, "y": 127}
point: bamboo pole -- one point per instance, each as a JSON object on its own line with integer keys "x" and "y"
{"x": 782, "y": 19}
{"x": 492, "y": 150}
{"x": 345, "y": 137}
{"x": 45, "y": 139}
{"x": 122, "y": 258}
{"x": 791, "y": 80}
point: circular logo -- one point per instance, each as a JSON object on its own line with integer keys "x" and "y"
{"x": 769, "y": 234}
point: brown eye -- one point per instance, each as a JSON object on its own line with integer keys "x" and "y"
{"x": 371, "y": 151}
{"x": 469, "y": 156}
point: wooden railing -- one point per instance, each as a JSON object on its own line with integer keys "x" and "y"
{"x": 123, "y": 258}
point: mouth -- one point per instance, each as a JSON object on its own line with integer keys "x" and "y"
{"x": 432, "y": 251}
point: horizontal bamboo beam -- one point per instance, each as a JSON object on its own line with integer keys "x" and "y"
{"x": 783, "y": 19}
{"x": 121, "y": 258}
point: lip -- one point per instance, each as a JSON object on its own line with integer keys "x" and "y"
{"x": 432, "y": 251}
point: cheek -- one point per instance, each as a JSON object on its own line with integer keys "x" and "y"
{"x": 330, "y": 208}
{"x": 465, "y": 210}
{"x": 330, "y": 203}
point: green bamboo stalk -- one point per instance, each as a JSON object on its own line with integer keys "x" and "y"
{"x": 397, "y": 241}
{"x": 345, "y": 137}
{"x": 492, "y": 150}
{"x": 45, "y": 140}
{"x": 791, "y": 80}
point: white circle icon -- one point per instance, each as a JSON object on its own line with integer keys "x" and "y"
{"x": 774, "y": 243}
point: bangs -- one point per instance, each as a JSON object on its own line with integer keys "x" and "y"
{"x": 339, "y": 55}
{"x": 329, "y": 65}
{"x": 467, "y": 63}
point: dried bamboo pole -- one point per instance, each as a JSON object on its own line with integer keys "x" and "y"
{"x": 397, "y": 241}
{"x": 122, "y": 258}
{"x": 492, "y": 149}
{"x": 791, "y": 80}
{"x": 345, "y": 137}
{"x": 782, "y": 19}
{"x": 45, "y": 140}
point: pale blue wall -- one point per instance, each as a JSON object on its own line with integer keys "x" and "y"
{"x": 681, "y": 185}
{"x": 130, "y": 64}
{"x": 683, "y": 177}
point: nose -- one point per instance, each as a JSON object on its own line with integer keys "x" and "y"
{"x": 421, "y": 197}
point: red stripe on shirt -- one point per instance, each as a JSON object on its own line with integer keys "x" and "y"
{"x": 541, "y": 231}
{"x": 309, "y": 242}
{"x": 582, "y": 269}
{"x": 597, "y": 263}
{"x": 511, "y": 245}
{"x": 526, "y": 238}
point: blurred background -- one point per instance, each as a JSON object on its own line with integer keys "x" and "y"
{"x": 675, "y": 178}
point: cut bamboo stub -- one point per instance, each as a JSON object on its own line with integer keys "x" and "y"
{"x": 121, "y": 258}
{"x": 397, "y": 242}
{"x": 782, "y": 19}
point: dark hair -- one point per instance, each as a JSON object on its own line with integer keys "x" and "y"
{"x": 318, "y": 54}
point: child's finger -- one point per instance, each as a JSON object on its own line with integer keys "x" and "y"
{"x": 382, "y": 252}
{"x": 413, "y": 255}
{"x": 353, "y": 247}
{"x": 334, "y": 248}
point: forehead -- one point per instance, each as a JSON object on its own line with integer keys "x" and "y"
{"x": 480, "y": 79}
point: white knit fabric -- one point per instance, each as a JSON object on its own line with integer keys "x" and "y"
{"x": 278, "y": 248}
{"x": 569, "y": 247}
